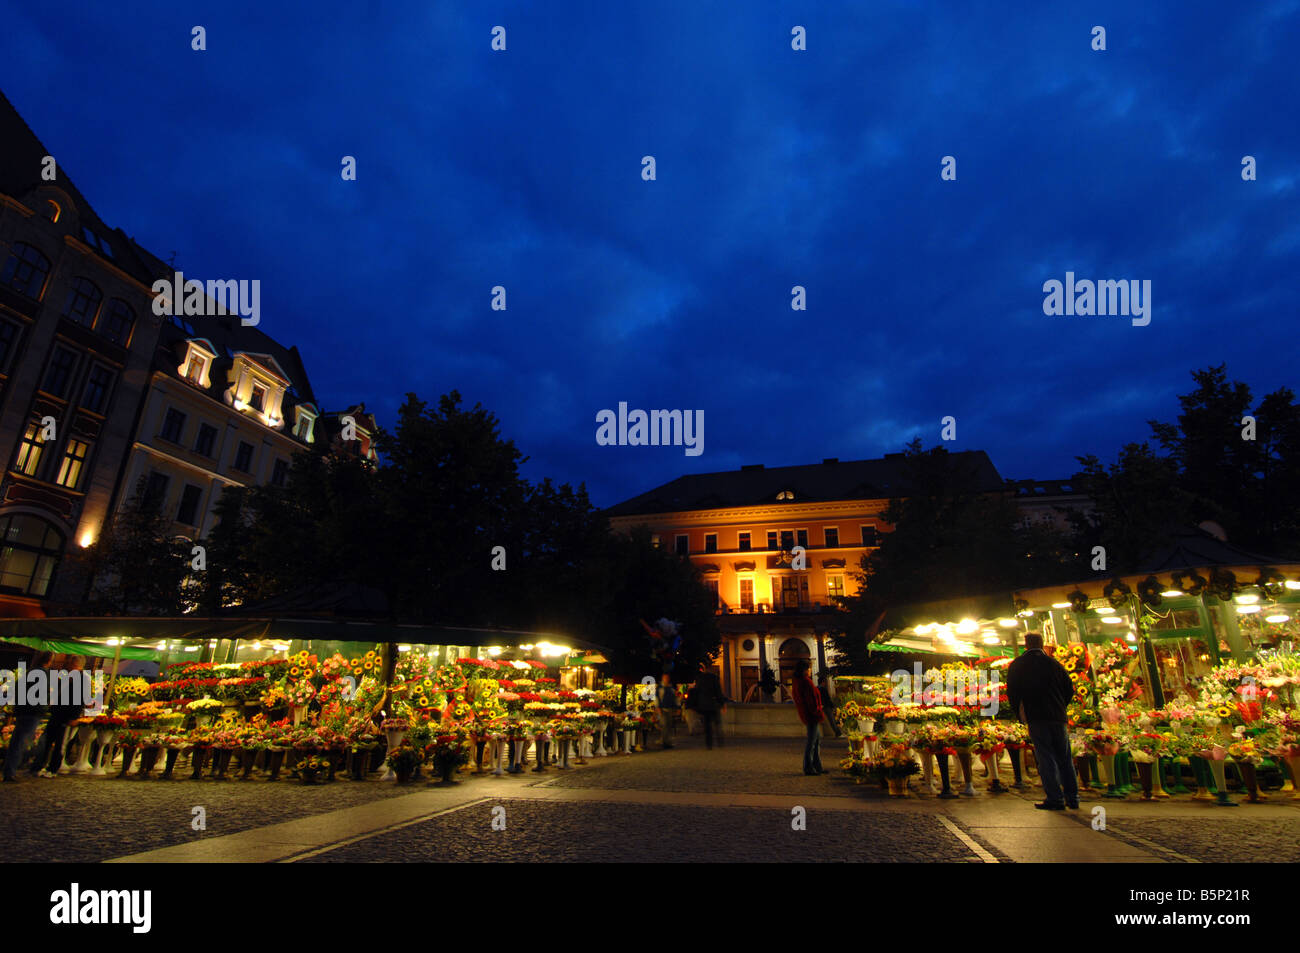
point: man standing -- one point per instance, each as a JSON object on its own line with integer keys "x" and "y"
{"x": 808, "y": 703}
{"x": 26, "y": 717}
{"x": 1038, "y": 689}
{"x": 706, "y": 700}
{"x": 667, "y": 711}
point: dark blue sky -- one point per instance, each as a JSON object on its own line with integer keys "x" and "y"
{"x": 775, "y": 168}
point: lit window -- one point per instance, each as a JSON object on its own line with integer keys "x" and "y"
{"x": 74, "y": 461}
{"x": 83, "y": 301}
{"x": 26, "y": 270}
{"x": 198, "y": 364}
{"x": 28, "y": 460}
{"x": 835, "y": 587}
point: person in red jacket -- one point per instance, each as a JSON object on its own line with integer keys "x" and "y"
{"x": 808, "y": 703}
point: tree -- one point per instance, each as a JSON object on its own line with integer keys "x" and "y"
{"x": 137, "y": 566}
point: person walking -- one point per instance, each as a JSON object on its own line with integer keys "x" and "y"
{"x": 707, "y": 701}
{"x": 828, "y": 701}
{"x": 27, "y": 717}
{"x": 1038, "y": 690}
{"x": 808, "y": 704}
{"x": 62, "y": 713}
{"x": 668, "y": 706}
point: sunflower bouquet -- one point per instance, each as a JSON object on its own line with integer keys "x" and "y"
{"x": 896, "y": 761}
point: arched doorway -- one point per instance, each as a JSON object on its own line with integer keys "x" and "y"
{"x": 790, "y": 652}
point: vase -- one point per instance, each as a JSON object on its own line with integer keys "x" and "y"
{"x": 395, "y": 737}
{"x": 1108, "y": 770}
{"x": 247, "y": 758}
{"x": 1123, "y": 772}
{"x": 105, "y": 737}
{"x": 357, "y": 764}
{"x": 897, "y": 787}
{"x": 1293, "y": 765}
{"x": 600, "y": 739}
{"x": 198, "y": 761}
{"x": 82, "y": 764}
{"x": 584, "y": 748}
{"x": 222, "y": 758}
{"x": 1145, "y": 773}
{"x": 275, "y": 761}
{"x": 1250, "y": 778}
{"x": 513, "y": 745}
{"x": 299, "y": 714}
{"x": 447, "y": 770}
{"x": 1201, "y": 777}
{"x": 1176, "y": 772}
{"x": 148, "y": 758}
{"x": 927, "y": 772}
{"x": 963, "y": 757}
{"x": 542, "y": 754}
{"x": 1220, "y": 783}
{"x": 307, "y": 775}
{"x": 128, "y": 755}
{"x": 478, "y": 755}
{"x": 565, "y": 744}
{"x": 1018, "y": 781}
{"x": 629, "y": 739}
{"x": 946, "y": 792}
{"x": 170, "y": 763}
{"x": 994, "y": 763}
{"x": 1157, "y": 782}
{"x": 403, "y": 773}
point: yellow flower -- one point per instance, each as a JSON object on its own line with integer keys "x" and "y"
{"x": 1077, "y": 648}
{"x": 294, "y": 671}
{"x": 1082, "y": 692}
{"x": 1069, "y": 665}
{"x": 368, "y": 666}
{"x": 1074, "y": 677}
{"x": 371, "y": 654}
{"x": 424, "y": 702}
{"x": 1224, "y": 711}
{"x": 356, "y": 662}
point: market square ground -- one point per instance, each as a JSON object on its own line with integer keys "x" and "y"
{"x": 733, "y": 803}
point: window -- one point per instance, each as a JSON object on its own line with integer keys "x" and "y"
{"x": 195, "y": 368}
{"x": 26, "y": 270}
{"x": 83, "y": 301}
{"x": 683, "y": 545}
{"x": 257, "y": 398}
{"x": 787, "y": 540}
{"x": 118, "y": 323}
{"x": 28, "y": 460}
{"x": 710, "y": 542}
{"x": 785, "y": 495}
{"x": 835, "y": 587}
{"x": 771, "y": 539}
{"x": 189, "y": 509}
{"x": 712, "y": 586}
{"x": 655, "y": 541}
{"x": 832, "y": 536}
{"x": 173, "y": 425}
{"x": 95, "y": 241}
{"x": 742, "y": 542}
{"x": 207, "y": 437}
{"x": 869, "y": 536}
{"x": 59, "y": 373}
{"x": 746, "y": 595}
{"x": 29, "y": 552}
{"x": 801, "y": 537}
{"x": 8, "y": 337}
{"x": 98, "y": 382}
{"x": 279, "y": 472}
{"x": 155, "y": 490}
{"x": 74, "y": 462}
{"x": 244, "y": 457}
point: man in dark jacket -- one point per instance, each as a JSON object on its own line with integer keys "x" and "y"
{"x": 27, "y": 716}
{"x": 1038, "y": 689}
{"x": 706, "y": 700}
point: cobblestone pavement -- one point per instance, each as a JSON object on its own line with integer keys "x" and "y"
{"x": 91, "y": 819}
{"x": 549, "y": 832}
{"x": 1212, "y": 840}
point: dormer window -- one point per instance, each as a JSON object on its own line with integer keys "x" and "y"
{"x": 197, "y": 366}
{"x": 785, "y": 495}
{"x": 304, "y": 425}
{"x": 257, "y": 387}
{"x": 257, "y": 398}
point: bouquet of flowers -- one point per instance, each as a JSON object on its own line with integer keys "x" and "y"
{"x": 130, "y": 689}
{"x": 1081, "y": 715}
{"x": 988, "y": 740}
{"x": 1245, "y": 750}
{"x": 1014, "y": 735}
{"x": 1145, "y": 746}
{"x": 313, "y": 763}
{"x": 896, "y": 761}
{"x": 301, "y": 692}
{"x": 336, "y": 666}
{"x": 1102, "y": 742}
{"x": 204, "y": 706}
{"x": 275, "y": 697}
{"x": 412, "y": 667}
{"x": 448, "y": 678}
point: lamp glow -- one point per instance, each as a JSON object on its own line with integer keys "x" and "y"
{"x": 1171, "y": 593}
{"x": 1008, "y": 623}
{"x": 1104, "y": 610}
{"x": 1277, "y": 618}
{"x": 1247, "y": 610}
{"x": 1111, "y": 620}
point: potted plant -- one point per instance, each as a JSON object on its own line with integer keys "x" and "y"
{"x": 310, "y": 767}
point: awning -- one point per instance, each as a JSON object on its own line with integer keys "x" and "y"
{"x": 63, "y": 647}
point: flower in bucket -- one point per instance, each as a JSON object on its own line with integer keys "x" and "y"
{"x": 301, "y": 693}
{"x": 1145, "y": 746}
{"x": 201, "y": 706}
{"x": 896, "y": 761}
{"x": 1102, "y": 742}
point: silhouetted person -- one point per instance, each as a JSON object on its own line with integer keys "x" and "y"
{"x": 808, "y": 703}
{"x": 27, "y": 717}
{"x": 667, "y": 711}
{"x": 62, "y": 712}
{"x": 1038, "y": 690}
{"x": 707, "y": 701}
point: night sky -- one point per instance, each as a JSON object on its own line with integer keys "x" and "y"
{"x": 775, "y": 168}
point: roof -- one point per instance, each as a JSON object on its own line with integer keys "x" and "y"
{"x": 817, "y": 482}
{"x": 20, "y": 174}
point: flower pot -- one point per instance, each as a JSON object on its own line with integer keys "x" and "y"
{"x": 170, "y": 763}
{"x": 395, "y": 737}
{"x": 600, "y": 739}
{"x": 275, "y": 762}
{"x": 1108, "y": 770}
{"x": 1250, "y": 778}
{"x": 307, "y": 775}
{"x": 1176, "y": 773}
{"x": 927, "y": 772}
{"x": 496, "y": 749}
{"x": 1145, "y": 773}
{"x": 1019, "y": 782}
{"x": 247, "y": 758}
{"x": 946, "y": 792}
{"x": 128, "y": 755}
{"x": 1082, "y": 769}
{"x": 629, "y": 740}
{"x": 963, "y": 756}
{"x": 82, "y": 764}
{"x": 479, "y": 746}
{"x": 543, "y": 753}
{"x": 222, "y": 759}
{"x": 148, "y": 758}
{"x": 1220, "y": 783}
{"x": 199, "y": 760}
{"x": 447, "y": 771}
{"x": 403, "y": 774}
{"x": 993, "y": 761}
{"x": 897, "y": 787}
{"x": 105, "y": 737}
{"x": 1157, "y": 782}
{"x": 565, "y": 745}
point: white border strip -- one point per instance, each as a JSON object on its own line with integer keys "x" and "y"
{"x": 383, "y": 830}
{"x": 966, "y": 839}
